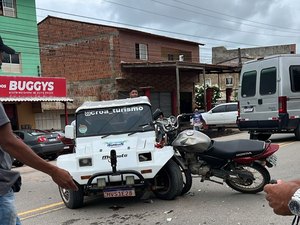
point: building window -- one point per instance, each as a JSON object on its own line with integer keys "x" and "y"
{"x": 141, "y": 51}
{"x": 8, "y": 8}
{"x": 268, "y": 81}
{"x": 170, "y": 57}
{"x": 248, "y": 88}
{"x": 229, "y": 81}
{"x": 11, "y": 63}
{"x": 295, "y": 78}
{"x": 207, "y": 82}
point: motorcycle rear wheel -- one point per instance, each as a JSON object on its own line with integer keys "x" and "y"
{"x": 261, "y": 177}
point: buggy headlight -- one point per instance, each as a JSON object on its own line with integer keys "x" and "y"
{"x": 130, "y": 180}
{"x": 85, "y": 162}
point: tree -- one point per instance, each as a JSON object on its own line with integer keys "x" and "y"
{"x": 199, "y": 96}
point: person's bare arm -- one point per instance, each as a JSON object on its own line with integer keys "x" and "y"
{"x": 24, "y": 153}
{"x": 280, "y": 194}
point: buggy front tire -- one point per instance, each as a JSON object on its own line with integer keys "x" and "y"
{"x": 72, "y": 199}
{"x": 168, "y": 181}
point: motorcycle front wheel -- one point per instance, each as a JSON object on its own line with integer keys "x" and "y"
{"x": 249, "y": 179}
{"x": 187, "y": 180}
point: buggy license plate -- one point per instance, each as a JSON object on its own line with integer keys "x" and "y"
{"x": 118, "y": 193}
{"x": 272, "y": 159}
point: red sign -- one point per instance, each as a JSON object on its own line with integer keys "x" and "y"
{"x": 17, "y": 86}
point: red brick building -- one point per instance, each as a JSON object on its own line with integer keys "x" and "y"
{"x": 102, "y": 62}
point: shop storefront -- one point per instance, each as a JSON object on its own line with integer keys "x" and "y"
{"x": 22, "y": 98}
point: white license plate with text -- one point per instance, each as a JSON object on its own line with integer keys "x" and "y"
{"x": 118, "y": 193}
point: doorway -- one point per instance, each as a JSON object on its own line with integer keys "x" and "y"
{"x": 186, "y": 103}
{"x": 11, "y": 111}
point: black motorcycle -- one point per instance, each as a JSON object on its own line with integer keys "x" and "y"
{"x": 241, "y": 164}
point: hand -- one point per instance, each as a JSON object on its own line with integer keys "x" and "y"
{"x": 279, "y": 196}
{"x": 64, "y": 179}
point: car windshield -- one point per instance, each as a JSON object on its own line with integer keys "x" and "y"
{"x": 114, "y": 120}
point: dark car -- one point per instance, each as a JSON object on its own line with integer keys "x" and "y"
{"x": 69, "y": 143}
{"x": 45, "y": 144}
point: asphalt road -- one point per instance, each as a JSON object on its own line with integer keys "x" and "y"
{"x": 207, "y": 203}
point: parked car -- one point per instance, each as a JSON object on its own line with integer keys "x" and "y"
{"x": 45, "y": 144}
{"x": 69, "y": 143}
{"x": 221, "y": 116}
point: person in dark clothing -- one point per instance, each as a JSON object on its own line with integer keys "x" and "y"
{"x": 11, "y": 146}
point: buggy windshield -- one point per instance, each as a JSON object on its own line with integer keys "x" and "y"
{"x": 114, "y": 120}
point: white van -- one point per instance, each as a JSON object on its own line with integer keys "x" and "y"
{"x": 269, "y": 96}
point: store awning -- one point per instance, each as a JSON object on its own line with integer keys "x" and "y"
{"x": 37, "y": 99}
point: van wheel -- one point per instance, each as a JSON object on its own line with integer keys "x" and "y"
{"x": 261, "y": 137}
{"x": 297, "y": 133}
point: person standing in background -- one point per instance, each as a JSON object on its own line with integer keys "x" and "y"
{"x": 133, "y": 93}
{"x": 197, "y": 120}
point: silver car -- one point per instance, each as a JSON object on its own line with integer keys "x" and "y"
{"x": 221, "y": 116}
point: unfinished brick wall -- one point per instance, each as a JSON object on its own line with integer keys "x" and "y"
{"x": 155, "y": 44}
{"x": 78, "y": 51}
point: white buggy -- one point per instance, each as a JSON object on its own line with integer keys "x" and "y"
{"x": 116, "y": 153}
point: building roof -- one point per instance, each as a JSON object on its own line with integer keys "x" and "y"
{"x": 182, "y": 65}
{"x": 120, "y": 29}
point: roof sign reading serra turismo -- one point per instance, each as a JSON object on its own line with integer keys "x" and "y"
{"x": 35, "y": 88}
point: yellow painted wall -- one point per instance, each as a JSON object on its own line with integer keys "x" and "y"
{"x": 25, "y": 114}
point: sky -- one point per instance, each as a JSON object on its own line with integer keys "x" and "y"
{"x": 229, "y": 23}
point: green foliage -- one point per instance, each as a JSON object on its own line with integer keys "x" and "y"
{"x": 199, "y": 96}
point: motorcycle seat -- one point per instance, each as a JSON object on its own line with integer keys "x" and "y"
{"x": 236, "y": 148}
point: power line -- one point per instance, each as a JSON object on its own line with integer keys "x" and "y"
{"x": 182, "y": 34}
{"x": 196, "y": 22}
{"x": 240, "y": 18}
{"x": 160, "y": 30}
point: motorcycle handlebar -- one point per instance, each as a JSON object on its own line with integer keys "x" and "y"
{"x": 173, "y": 127}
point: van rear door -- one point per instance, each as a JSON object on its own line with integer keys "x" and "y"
{"x": 259, "y": 93}
{"x": 291, "y": 84}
